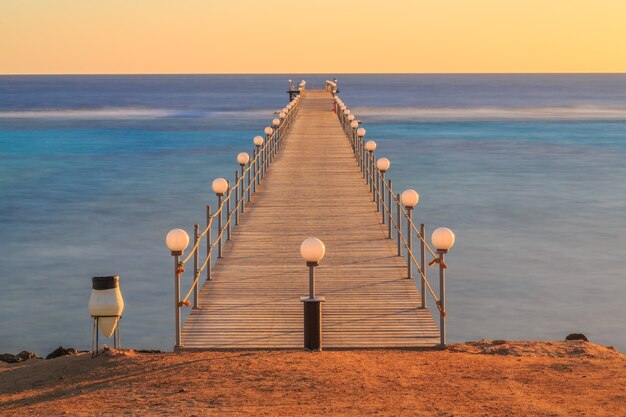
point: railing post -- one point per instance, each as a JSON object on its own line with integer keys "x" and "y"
{"x": 390, "y": 213}
{"x": 249, "y": 180}
{"x": 381, "y": 194}
{"x": 372, "y": 175}
{"x": 399, "y": 224}
{"x": 209, "y": 251}
{"x": 177, "y": 298}
{"x": 243, "y": 189}
{"x": 219, "y": 225}
{"x": 442, "y": 296}
{"x": 423, "y": 264}
{"x": 228, "y": 211}
{"x": 236, "y": 208}
{"x": 254, "y": 167}
{"x": 196, "y": 237}
{"x": 409, "y": 243}
{"x": 376, "y": 185}
{"x": 259, "y": 167}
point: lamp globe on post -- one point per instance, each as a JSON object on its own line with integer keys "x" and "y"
{"x": 370, "y": 147}
{"x": 312, "y": 250}
{"x": 268, "y": 132}
{"x": 383, "y": 165}
{"x": 243, "y": 158}
{"x": 219, "y": 187}
{"x": 258, "y": 141}
{"x": 177, "y": 241}
{"x": 282, "y": 115}
{"x": 275, "y": 123}
{"x": 361, "y": 132}
{"x": 443, "y": 240}
{"x": 354, "y": 124}
{"x": 351, "y": 117}
{"x": 409, "y": 199}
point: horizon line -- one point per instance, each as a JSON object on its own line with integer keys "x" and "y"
{"x": 309, "y": 73}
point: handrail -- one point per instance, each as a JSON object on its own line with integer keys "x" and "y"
{"x": 263, "y": 156}
{"x": 374, "y": 176}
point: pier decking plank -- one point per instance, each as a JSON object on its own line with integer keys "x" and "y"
{"x": 313, "y": 188}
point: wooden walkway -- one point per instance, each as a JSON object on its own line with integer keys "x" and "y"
{"x": 313, "y": 188}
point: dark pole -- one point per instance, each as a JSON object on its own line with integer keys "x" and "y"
{"x": 219, "y": 226}
{"x": 196, "y": 237}
{"x": 243, "y": 196}
{"x": 208, "y": 243}
{"x": 176, "y": 256}
{"x": 312, "y": 314}
{"x": 423, "y": 263}
{"x": 228, "y": 213}
{"x": 409, "y": 242}
{"x": 442, "y": 296}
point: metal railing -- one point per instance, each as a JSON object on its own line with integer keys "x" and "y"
{"x": 383, "y": 196}
{"x": 246, "y": 182}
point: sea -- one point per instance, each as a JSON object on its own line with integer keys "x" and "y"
{"x": 528, "y": 170}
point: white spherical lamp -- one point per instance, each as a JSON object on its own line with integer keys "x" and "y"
{"x": 268, "y": 130}
{"x": 354, "y": 124}
{"x": 383, "y": 164}
{"x": 410, "y": 198}
{"x": 258, "y": 140}
{"x": 275, "y": 122}
{"x": 351, "y": 117}
{"x": 443, "y": 239}
{"x": 243, "y": 158}
{"x": 219, "y": 186}
{"x": 361, "y": 132}
{"x": 312, "y": 250}
{"x": 346, "y": 112}
{"x": 282, "y": 115}
{"x": 177, "y": 240}
{"x": 370, "y": 145}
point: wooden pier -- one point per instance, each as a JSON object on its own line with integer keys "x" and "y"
{"x": 314, "y": 188}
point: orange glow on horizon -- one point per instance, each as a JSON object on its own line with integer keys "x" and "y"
{"x": 279, "y": 36}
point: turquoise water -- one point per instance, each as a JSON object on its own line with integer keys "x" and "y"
{"x": 528, "y": 170}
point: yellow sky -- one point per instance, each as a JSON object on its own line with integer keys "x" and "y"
{"x": 298, "y": 36}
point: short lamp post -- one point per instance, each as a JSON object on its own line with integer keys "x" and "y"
{"x": 268, "y": 134}
{"x": 242, "y": 160}
{"x": 354, "y": 125}
{"x": 258, "y": 141}
{"x": 177, "y": 241}
{"x": 383, "y": 165}
{"x": 312, "y": 250}
{"x": 443, "y": 240}
{"x": 360, "y": 132}
{"x": 370, "y": 147}
{"x": 275, "y": 124}
{"x": 219, "y": 187}
{"x": 409, "y": 199}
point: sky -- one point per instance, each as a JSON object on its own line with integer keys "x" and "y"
{"x": 301, "y": 36}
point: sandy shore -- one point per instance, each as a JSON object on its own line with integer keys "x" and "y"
{"x": 474, "y": 379}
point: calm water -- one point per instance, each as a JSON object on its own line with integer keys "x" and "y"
{"x": 528, "y": 170}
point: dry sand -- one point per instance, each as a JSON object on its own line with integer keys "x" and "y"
{"x": 473, "y": 379}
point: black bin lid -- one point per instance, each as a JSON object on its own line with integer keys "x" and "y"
{"x": 105, "y": 283}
